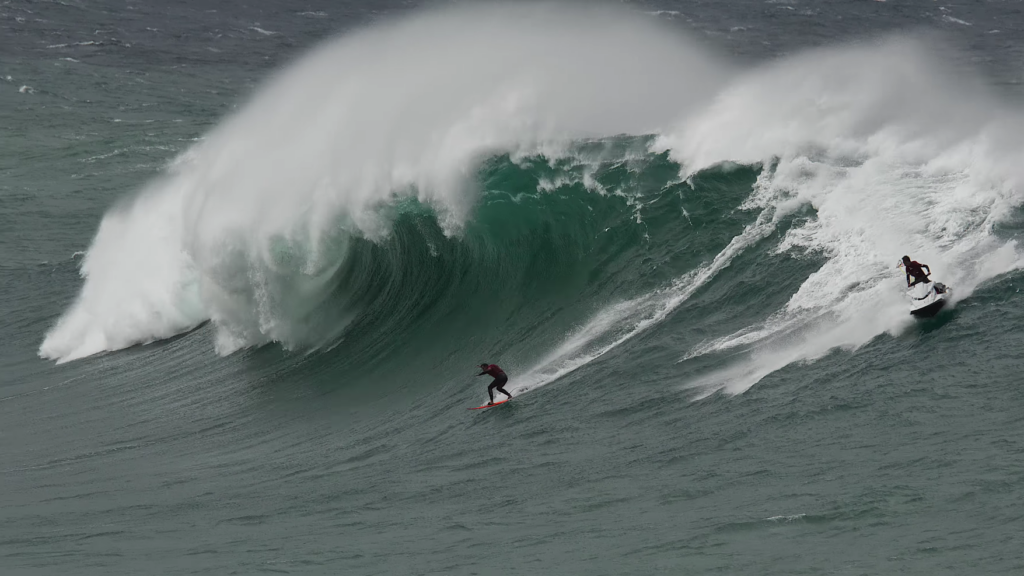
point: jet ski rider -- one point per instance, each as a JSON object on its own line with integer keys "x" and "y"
{"x": 915, "y": 272}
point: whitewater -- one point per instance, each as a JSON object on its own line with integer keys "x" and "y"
{"x": 254, "y": 254}
{"x": 895, "y": 152}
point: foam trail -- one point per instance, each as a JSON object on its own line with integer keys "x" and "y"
{"x": 251, "y": 225}
{"x": 812, "y": 340}
{"x": 896, "y": 155}
{"x": 620, "y": 322}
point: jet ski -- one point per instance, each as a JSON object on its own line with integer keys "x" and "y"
{"x": 927, "y": 298}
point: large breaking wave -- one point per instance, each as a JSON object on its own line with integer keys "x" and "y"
{"x": 546, "y": 184}
{"x": 402, "y": 110}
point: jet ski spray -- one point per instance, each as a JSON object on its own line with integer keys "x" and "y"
{"x": 926, "y": 297}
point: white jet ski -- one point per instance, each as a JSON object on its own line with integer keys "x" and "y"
{"x": 927, "y": 298}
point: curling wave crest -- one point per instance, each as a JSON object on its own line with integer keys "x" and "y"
{"x": 588, "y": 174}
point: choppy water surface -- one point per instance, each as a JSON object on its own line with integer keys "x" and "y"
{"x": 252, "y": 255}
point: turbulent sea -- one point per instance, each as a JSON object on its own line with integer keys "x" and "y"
{"x": 253, "y": 253}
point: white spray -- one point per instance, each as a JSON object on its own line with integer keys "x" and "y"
{"x": 251, "y": 222}
{"x": 895, "y": 152}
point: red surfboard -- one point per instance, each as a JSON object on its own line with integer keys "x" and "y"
{"x": 491, "y": 406}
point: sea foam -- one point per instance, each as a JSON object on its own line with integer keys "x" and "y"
{"x": 246, "y": 226}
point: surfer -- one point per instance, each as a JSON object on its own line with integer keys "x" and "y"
{"x": 915, "y": 271}
{"x": 499, "y": 380}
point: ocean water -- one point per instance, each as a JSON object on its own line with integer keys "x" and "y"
{"x": 252, "y": 254}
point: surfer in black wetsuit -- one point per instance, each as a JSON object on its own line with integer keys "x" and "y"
{"x": 915, "y": 271}
{"x": 499, "y": 380}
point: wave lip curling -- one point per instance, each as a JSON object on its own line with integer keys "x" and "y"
{"x": 402, "y": 109}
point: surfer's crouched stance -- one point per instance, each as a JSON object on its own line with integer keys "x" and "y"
{"x": 499, "y": 380}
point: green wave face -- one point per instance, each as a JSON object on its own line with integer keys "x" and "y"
{"x": 604, "y": 250}
{"x": 754, "y": 214}
{"x": 553, "y": 243}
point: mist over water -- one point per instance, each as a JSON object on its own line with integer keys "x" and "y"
{"x": 896, "y": 154}
{"x": 258, "y": 214}
{"x": 253, "y": 226}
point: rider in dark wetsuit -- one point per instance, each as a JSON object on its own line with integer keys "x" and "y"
{"x": 499, "y": 380}
{"x": 915, "y": 271}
